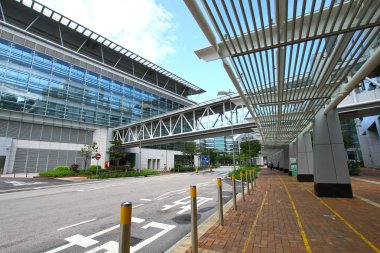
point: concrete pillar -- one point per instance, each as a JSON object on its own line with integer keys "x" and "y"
{"x": 305, "y": 161}
{"x": 285, "y": 159}
{"x": 331, "y": 176}
{"x": 292, "y": 156}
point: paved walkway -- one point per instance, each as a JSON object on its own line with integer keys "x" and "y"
{"x": 283, "y": 215}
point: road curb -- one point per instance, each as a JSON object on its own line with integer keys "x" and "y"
{"x": 185, "y": 243}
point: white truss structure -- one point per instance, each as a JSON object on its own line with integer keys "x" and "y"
{"x": 212, "y": 118}
{"x": 291, "y": 57}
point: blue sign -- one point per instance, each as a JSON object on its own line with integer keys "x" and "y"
{"x": 205, "y": 159}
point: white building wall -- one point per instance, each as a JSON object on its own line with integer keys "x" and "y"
{"x": 164, "y": 157}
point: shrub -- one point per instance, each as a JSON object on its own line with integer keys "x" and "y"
{"x": 182, "y": 168}
{"x": 353, "y": 167}
{"x": 86, "y": 172}
{"x": 57, "y": 173}
{"x": 123, "y": 168}
{"x": 62, "y": 168}
{"x": 95, "y": 167}
{"x": 128, "y": 174}
{"x": 244, "y": 169}
{"x": 74, "y": 167}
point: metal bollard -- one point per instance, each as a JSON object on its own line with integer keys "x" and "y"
{"x": 26, "y": 173}
{"x": 254, "y": 177}
{"x": 194, "y": 216}
{"x": 242, "y": 185}
{"x": 220, "y": 199}
{"x": 14, "y": 172}
{"x": 246, "y": 179}
{"x": 1, "y": 171}
{"x": 125, "y": 227}
{"x": 251, "y": 173}
{"x": 234, "y": 192}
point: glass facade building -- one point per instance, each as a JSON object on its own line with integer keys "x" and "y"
{"x": 36, "y": 83}
{"x": 63, "y": 85}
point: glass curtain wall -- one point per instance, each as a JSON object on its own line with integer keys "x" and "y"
{"x": 35, "y": 83}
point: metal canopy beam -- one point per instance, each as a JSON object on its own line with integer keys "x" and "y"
{"x": 289, "y": 57}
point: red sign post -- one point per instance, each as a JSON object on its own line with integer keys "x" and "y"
{"x": 97, "y": 157}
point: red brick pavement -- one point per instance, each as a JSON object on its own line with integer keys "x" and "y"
{"x": 277, "y": 229}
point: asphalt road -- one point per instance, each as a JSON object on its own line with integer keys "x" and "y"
{"x": 85, "y": 217}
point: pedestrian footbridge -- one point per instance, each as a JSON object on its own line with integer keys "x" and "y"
{"x": 219, "y": 117}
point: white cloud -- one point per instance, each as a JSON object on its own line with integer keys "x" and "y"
{"x": 143, "y": 26}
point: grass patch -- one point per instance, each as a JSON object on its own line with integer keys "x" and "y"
{"x": 103, "y": 175}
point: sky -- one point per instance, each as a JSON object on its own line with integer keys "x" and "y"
{"x": 162, "y": 31}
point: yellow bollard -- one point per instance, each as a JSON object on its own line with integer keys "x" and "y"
{"x": 220, "y": 200}
{"x": 251, "y": 172}
{"x": 242, "y": 184}
{"x": 196, "y": 170}
{"x": 234, "y": 192}
{"x": 194, "y": 221}
{"x": 125, "y": 227}
{"x": 246, "y": 179}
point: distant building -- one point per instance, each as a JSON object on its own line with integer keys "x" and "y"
{"x": 63, "y": 85}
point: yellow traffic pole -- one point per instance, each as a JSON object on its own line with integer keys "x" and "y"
{"x": 220, "y": 200}
{"x": 251, "y": 173}
{"x": 125, "y": 227}
{"x": 234, "y": 192}
{"x": 194, "y": 221}
{"x": 246, "y": 179}
{"x": 242, "y": 184}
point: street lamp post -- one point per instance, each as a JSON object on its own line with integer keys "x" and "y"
{"x": 228, "y": 93}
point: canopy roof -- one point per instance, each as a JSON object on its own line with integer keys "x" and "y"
{"x": 288, "y": 58}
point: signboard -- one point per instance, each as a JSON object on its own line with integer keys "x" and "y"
{"x": 205, "y": 159}
{"x": 293, "y": 167}
{"x": 98, "y": 156}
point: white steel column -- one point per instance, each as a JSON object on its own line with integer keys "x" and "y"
{"x": 331, "y": 176}
{"x": 292, "y": 156}
{"x": 285, "y": 160}
{"x": 305, "y": 162}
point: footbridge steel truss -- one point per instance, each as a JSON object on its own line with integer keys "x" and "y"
{"x": 218, "y": 117}
{"x": 292, "y": 58}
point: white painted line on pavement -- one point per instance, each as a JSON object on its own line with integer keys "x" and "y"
{"x": 145, "y": 199}
{"x": 367, "y": 200}
{"x": 137, "y": 205}
{"x": 77, "y": 224}
{"x": 365, "y": 180}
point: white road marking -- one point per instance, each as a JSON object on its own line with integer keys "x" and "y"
{"x": 137, "y": 206}
{"x": 166, "y": 193}
{"x": 184, "y": 204}
{"x": 165, "y": 228}
{"x": 165, "y": 197}
{"x": 146, "y": 199}
{"x": 77, "y": 224}
{"x": 93, "y": 189}
{"x": 86, "y": 240}
{"x": 109, "y": 247}
{"x": 21, "y": 183}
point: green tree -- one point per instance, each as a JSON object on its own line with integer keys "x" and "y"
{"x": 190, "y": 149}
{"x": 88, "y": 151}
{"x": 116, "y": 151}
{"x": 250, "y": 148}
